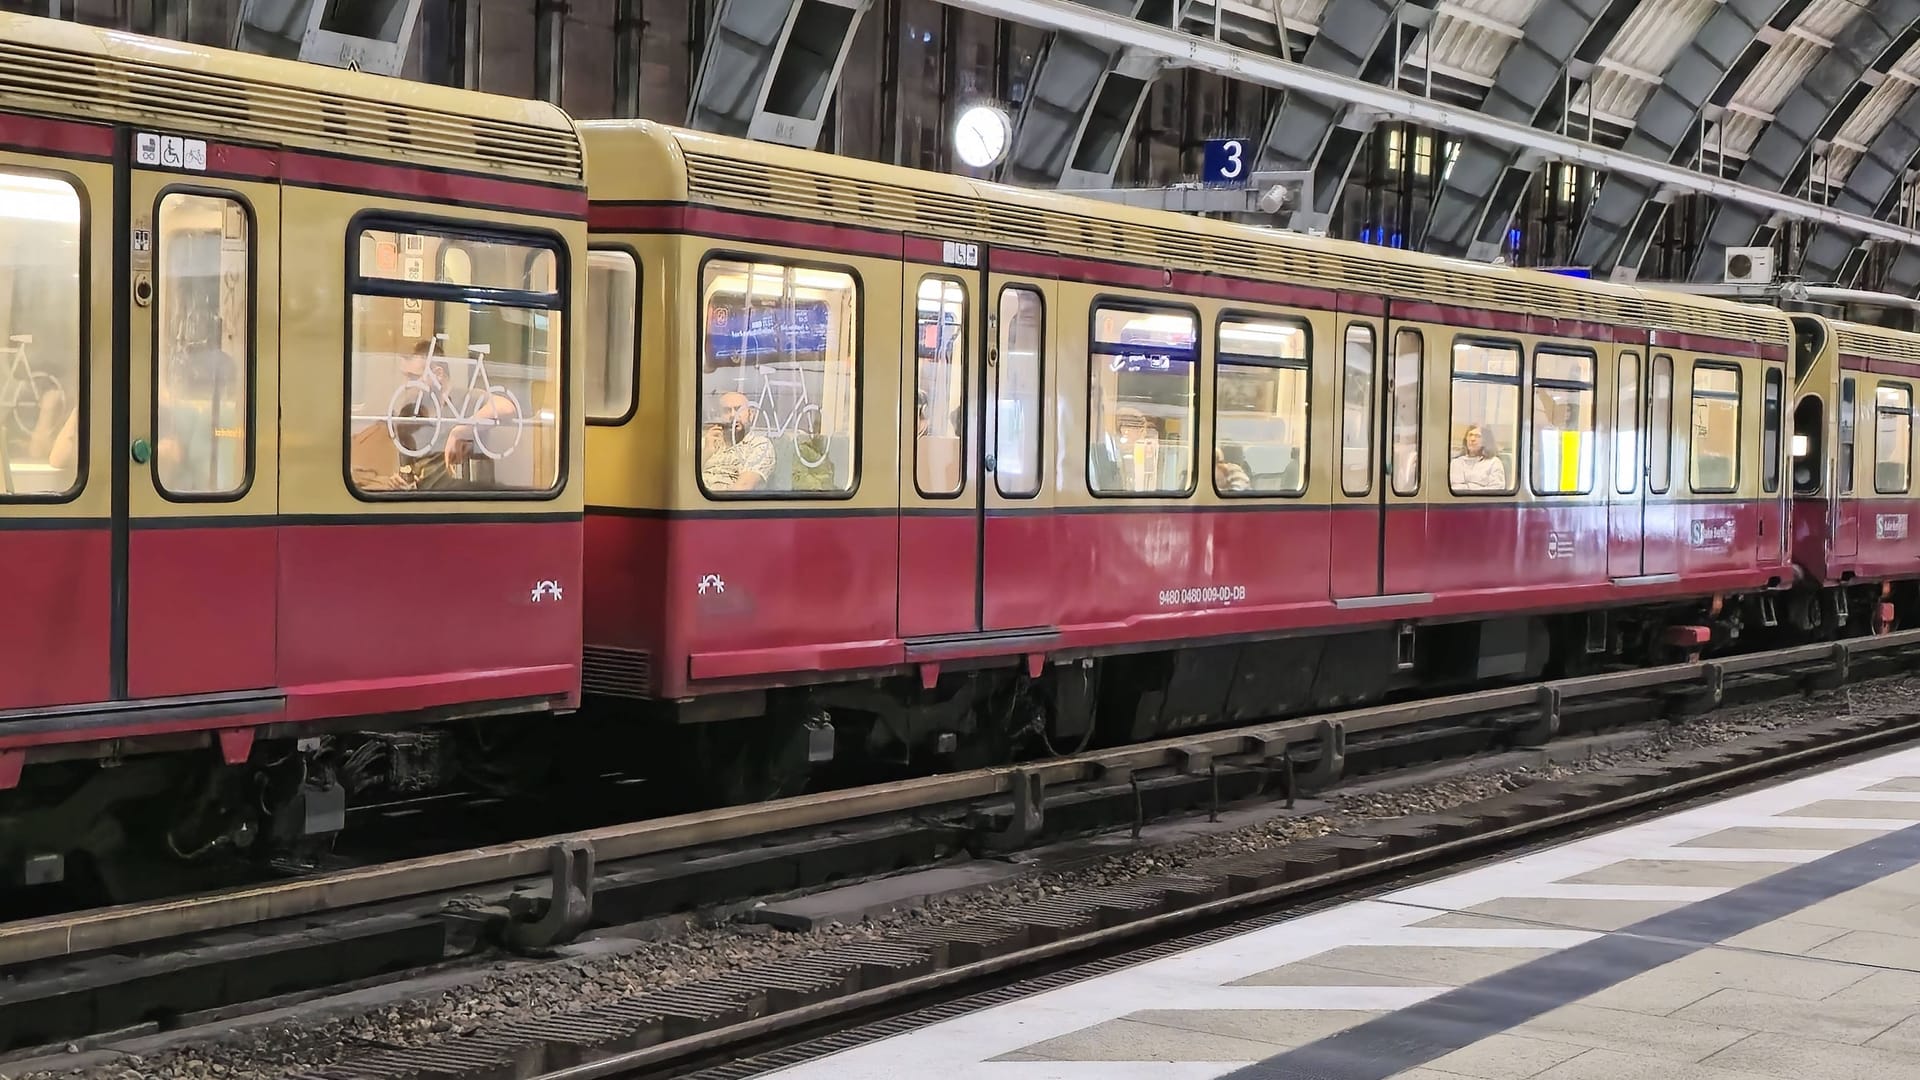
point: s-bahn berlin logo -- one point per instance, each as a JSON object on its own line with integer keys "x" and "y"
{"x": 1711, "y": 533}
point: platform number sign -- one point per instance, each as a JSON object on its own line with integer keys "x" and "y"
{"x": 1227, "y": 162}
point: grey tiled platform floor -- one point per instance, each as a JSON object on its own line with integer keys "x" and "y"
{"x": 1828, "y": 991}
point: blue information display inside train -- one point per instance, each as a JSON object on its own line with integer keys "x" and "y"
{"x": 773, "y": 329}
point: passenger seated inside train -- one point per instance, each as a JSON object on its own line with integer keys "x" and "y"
{"x": 1129, "y": 454}
{"x": 1476, "y": 466}
{"x": 1229, "y": 475}
{"x": 378, "y": 464}
{"x": 1256, "y": 455}
{"x": 734, "y": 455}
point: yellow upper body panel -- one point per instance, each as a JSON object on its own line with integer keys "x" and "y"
{"x": 1876, "y": 342}
{"x": 633, "y": 160}
{"x": 63, "y": 69}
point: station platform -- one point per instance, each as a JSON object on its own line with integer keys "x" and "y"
{"x": 1771, "y": 935}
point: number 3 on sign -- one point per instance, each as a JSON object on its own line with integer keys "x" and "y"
{"x": 1225, "y": 161}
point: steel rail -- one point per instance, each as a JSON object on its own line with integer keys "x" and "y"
{"x": 1205, "y": 54}
{"x": 130, "y": 924}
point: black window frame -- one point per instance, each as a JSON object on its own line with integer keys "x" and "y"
{"x": 1665, "y": 445}
{"x": 1146, "y": 307}
{"x": 1773, "y": 397}
{"x": 1387, "y": 444}
{"x": 1371, "y": 412}
{"x": 964, "y": 356}
{"x": 1880, "y": 410}
{"x": 1222, "y": 359}
{"x": 1849, "y": 432}
{"x": 251, "y": 364}
{"x": 1637, "y": 453}
{"x": 1040, "y": 373}
{"x": 859, "y": 373}
{"x": 1592, "y": 387}
{"x": 1518, "y": 380}
{"x": 83, "y": 338}
{"x": 1739, "y": 399}
{"x": 456, "y": 229}
{"x": 639, "y": 301}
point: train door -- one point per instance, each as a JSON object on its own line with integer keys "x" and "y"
{"x": 55, "y": 348}
{"x": 194, "y": 454}
{"x": 1017, "y": 573}
{"x": 1403, "y": 525}
{"x": 940, "y": 498}
{"x": 1359, "y": 496}
{"x": 1660, "y": 524}
{"x": 1846, "y": 505}
{"x": 1627, "y": 494}
{"x": 1774, "y": 542}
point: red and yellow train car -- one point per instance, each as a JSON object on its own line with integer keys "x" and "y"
{"x": 291, "y": 446}
{"x": 952, "y": 464}
{"x": 1854, "y": 493}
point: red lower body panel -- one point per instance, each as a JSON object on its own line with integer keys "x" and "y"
{"x": 422, "y": 609}
{"x": 304, "y": 621}
{"x": 939, "y": 574}
{"x": 201, "y": 610}
{"x": 57, "y": 638}
{"x": 1885, "y": 536}
{"x": 624, "y": 580}
{"x": 747, "y": 600}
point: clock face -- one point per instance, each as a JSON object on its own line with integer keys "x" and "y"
{"x": 980, "y": 136}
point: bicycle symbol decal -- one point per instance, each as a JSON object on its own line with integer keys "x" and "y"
{"x": 425, "y": 401}
{"x": 25, "y": 387}
{"x": 546, "y": 588}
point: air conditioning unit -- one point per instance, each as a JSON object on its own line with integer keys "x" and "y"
{"x": 1749, "y": 266}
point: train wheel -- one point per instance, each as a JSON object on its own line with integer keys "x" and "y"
{"x": 1806, "y": 613}
{"x": 1885, "y": 620}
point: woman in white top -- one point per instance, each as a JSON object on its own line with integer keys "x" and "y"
{"x": 1476, "y": 467}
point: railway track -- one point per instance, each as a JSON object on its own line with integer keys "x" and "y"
{"x": 731, "y": 1029}
{"x": 1004, "y": 807}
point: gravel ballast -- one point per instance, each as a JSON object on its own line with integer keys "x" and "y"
{"x": 616, "y": 969}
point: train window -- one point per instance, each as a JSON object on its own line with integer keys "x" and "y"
{"x": 203, "y": 346}
{"x": 1562, "y": 423}
{"x": 1660, "y": 427}
{"x": 1409, "y": 356}
{"x": 940, "y": 389}
{"x": 1017, "y": 413}
{"x": 779, "y": 380}
{"x": 1140, "y": 424}
{"x": 42, "y": 338}
{"x": 1356, "y": 412}
{"x": 1260, "y": 407}
{"x": 1626, "y": 426}
{"x": 1715, "y": 448}
{"x": 613, "y": 292}
{"x": 1770, "y": 437}
{"x": 458, "y": 342}
{"x": 1486, "y": 418}
{"x": 1847, "y": 428}
{"x": 1892, "y": 438}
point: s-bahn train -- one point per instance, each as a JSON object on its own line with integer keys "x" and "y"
{"x": 363, "y": 436}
